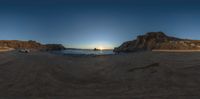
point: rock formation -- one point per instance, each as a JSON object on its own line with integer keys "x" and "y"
{"x": 158, "y": 41}
{"x": 21, "y": 44}
{"x": 50, "y": 47}
{"x": 16, "y": 44}
{"x": 96, "y": 49}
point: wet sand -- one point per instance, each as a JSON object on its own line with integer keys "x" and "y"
{"x": 144, "y": 75}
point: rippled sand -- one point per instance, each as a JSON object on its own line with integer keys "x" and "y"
{"x": 144, "y": 75}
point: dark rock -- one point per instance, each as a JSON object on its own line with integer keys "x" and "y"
{"x": 51, "y": 47}
{"x": 157, "y": 40}
{"x": 96, "y": 49}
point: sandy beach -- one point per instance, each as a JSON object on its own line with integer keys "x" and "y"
{"x": 175, "y": 51}
{"x": 143, "y": 75}
{"x": 5, "y": 49}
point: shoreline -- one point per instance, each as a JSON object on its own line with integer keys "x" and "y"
{"x": 175, "y": 51}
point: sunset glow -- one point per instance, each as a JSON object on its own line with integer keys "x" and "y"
{"x": 88, "y": 25}
{"x": 101, "y": 48}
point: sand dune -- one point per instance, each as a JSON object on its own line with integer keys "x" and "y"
{"x": 147, "y": 75}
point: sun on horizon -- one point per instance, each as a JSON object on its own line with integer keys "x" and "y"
{"x": 100, "y": 48}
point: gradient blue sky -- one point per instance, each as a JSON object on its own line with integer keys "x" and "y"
{"x": 95, "y": 23}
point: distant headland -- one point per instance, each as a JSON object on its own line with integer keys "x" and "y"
{"x": 17, "y": 44}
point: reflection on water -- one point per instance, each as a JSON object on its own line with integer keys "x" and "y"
{"x": 86, "y": 52}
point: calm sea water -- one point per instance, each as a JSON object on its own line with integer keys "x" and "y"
{"x": 84, "y": 52}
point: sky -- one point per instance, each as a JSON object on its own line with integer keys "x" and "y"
{"x": 96, "y": 23}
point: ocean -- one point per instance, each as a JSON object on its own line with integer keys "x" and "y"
{"x": 84, "y": 52}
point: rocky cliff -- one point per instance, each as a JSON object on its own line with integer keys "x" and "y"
{"x": 16, "y": 44}
{"x": 158, "y": 41}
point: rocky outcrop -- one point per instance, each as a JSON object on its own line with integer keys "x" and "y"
{"x": 50, "y": 47}
{"x": 16, "y": 44}
{"x": 96, "y": 49}
{"x": 21, "y": 44}
{"x": 158, "y": 41}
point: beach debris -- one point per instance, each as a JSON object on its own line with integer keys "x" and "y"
{"x": 24, "y": 50}
{"x": 145, "y": 67}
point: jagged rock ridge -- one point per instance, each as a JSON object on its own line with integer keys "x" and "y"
{"x": 158, "y": 41}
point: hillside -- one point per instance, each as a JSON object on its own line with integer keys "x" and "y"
{"x": 158, "y": 41}
{"x": 16, "y": 44}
